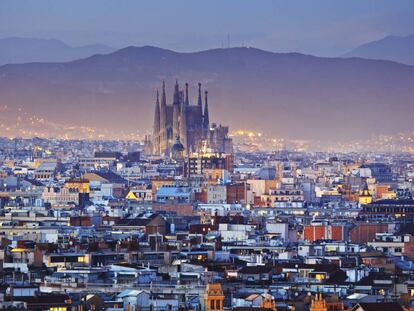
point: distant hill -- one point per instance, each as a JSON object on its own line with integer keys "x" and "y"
{"x": 397, "y": 49}
{"x": 288, "y": 95}
{"x": 27, "y": 50}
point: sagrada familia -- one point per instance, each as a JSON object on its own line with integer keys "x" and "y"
{"x": 187, "y": 125}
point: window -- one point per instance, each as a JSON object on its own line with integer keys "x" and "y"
{"x": 218, "y": 305}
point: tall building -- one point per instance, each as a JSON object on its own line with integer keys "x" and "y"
{"x": 190, "y": 124}
{"x": 214, "y": 297}
{"x": 198, "y": 163}
{"x": 318, "y": 303}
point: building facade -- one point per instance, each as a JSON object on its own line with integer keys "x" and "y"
{"x": 189, "y": 123}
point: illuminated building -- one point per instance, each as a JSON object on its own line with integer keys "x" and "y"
{"x": 81, "y": 186}
{"x": 73, "y": 191}
{"x": 365, "y": 197}
{"x": 189, "y": 122}
{"x": 268, "y": 302}
{"x": 199, "y": 163}
{"x": 403, "y": 208}
{"x": 318, "y": 303}
{"x": 214, "y": 297}
{"x": 177, "y": 150}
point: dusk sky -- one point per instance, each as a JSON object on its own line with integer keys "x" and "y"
{"x": 326, "y": 28}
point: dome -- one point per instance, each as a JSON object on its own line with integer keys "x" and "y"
{"x": 178, "y": 146}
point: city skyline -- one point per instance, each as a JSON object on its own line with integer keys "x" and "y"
{"x": 221, "y": 155}
{"x": 50, "y": 100}
{"x": 223, "y": 45}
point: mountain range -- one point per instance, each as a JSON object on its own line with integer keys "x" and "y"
{"x": 287, "y": 95}
{"x": 16, "y": 50}
{"x": 394, "y": 48}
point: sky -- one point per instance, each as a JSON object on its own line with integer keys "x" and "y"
{"x": 319, "y": 27}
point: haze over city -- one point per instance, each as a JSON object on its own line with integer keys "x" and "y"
{"x": 221, "y": 155}
{"x": 113, "y": 93}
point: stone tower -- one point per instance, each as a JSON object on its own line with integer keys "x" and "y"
{"x": 156, "y": 129}
{"x": 214, "y": 297}
{"x": 188, "y": 121}
{"x": 318, "y": 303}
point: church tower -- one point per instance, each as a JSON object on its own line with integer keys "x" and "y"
{"x": 206, "y": 120}
{"x": 163, "y": 106}
{"x": 163, "y": 119}
{"x": 268, "y": 302}
{"x": 176, "y": 110}
{"x": 176, "y": 116}
{"x": 187, "y": 102}
{"x": 214, "y": 297}
{"x": 318, "y": 303}
{"x": 176, "y": 98}
{"x": 189, "y": 121}
{"x": 177, "y": 151}
{"x": 183, "y": 126}
{"x": 365, "y": 196}
{"x": 199, "y": 102}
{"x": 156, "y": 130}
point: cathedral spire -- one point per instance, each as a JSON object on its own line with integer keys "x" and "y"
{"x": 176, "y": 117}
{"x": 157, "y": 113}
{"x": 206, "y": 119}
{"x": 163, "y": 121}
{"x": 183, "y": 125}
{"x": 176, "y": 93}
{"x": 199, "y": 95}
{"x": 156, "y": 129}
{"x": 164, "y": 97}
{"x": 186, "y": 95}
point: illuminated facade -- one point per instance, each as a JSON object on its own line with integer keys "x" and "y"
{"x": 73, "y": 191}
{"x": 188, "y": 123}
{"x": 318, "y": 303}
{"x": 214, "y": 297}
{"x": 365, "y": 196}
{"x": 197, "y": 164}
